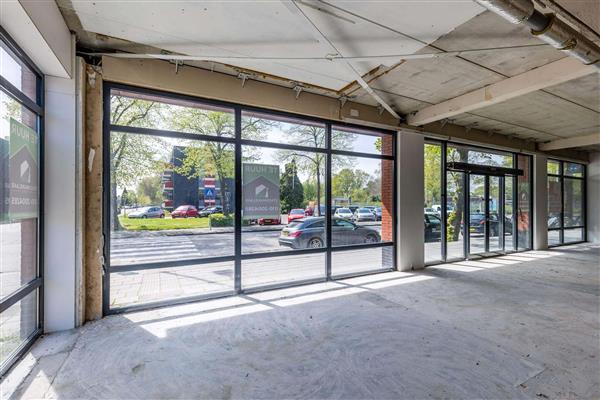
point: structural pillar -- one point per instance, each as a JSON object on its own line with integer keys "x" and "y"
{"x": 409, "y": 169}
{"x": 540, "y": 202}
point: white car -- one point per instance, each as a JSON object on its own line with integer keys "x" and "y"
{"x": 147, "y": 212}
{"x": 344, "y": 213}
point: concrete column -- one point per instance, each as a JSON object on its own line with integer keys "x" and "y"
{"x": 540, "y": 202}
{"x": 593, "y": 198}
{"x": 410, "y": 162}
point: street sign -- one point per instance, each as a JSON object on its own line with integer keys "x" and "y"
{"x": 209, "y": 193}
{"x": 260, "y": 191}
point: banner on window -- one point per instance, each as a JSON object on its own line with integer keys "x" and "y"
{"x": 20, "y": 173}
{"x": 260, "y": 190}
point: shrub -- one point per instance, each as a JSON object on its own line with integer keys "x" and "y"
{"x": 221, "y": 220}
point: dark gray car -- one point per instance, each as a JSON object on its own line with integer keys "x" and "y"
{"x": 310, "y": 233}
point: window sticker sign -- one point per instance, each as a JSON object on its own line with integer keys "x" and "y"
{"x": 20, "y": 179}
{"x": 260, "y": 190}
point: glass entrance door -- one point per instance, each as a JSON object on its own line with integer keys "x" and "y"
{"x": 486, "y": 209}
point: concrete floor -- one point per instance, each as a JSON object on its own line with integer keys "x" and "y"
{"x": 518, "y": 326}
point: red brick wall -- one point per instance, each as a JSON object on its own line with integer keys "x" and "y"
{"x": 387, "y": 190}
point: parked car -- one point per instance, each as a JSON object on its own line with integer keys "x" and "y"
{"x": 147, "y": 212}
{"x": 353, "y": 207}
{"x": 363, "y": 214}
{"x": 433, "y": 227}
{"x": 295, "y": 213}
{"x": 309, "y": 232}
{"x": 269, "y": 221}
{"x": 205, "y": 212}
{"x": 429, "y": 210}
{"x": 185, "y": 211}
{"x": 477, "y": 224}
{"x": 377, "y": 213}
{"x": 343, "y": 213}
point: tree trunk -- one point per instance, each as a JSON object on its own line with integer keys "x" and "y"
{"x": 115, "y": 224}
{"x": 318, "y": 208}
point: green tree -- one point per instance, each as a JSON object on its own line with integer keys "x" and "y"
{"x": 132, "y": 155}
{"x": 291, "y": 191}
{"x": 433, "y": 179}
{"x": 313, "y": 164}
{"x": 214, "y": 159}
{"x": 349, "y": 182}
{"x": 150, "y": 189}
{"x": 310, "y": 191}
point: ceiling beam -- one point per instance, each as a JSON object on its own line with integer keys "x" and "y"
{"x": 551, "y": 74}
{"x": 578, "y": 141}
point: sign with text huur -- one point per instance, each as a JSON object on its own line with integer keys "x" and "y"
{"x": 19, "y": 172}
{"x": 260, "y": 191}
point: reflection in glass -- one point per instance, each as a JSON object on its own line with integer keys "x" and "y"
{"x": 477, "y": 219}
{"x": 554, "y": 202}
{"x": 509, "y": 223}
{"x": 496, "y": 220}
{"x": 455, "y": 191}
{"x": 573, "y": 235}
{"x": 573, "y": 202}
{"x": 524, "y": 218}
{"x": 553, "y": 237}
{"x": 553, "y": 167}
{"x": 573, "y": 169}
{"x": 433, "y": 201}
{"x": 458, "y": 153}
{"x": 17, "y": 324}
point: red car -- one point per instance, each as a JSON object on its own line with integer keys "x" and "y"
{"x": 185, "y": 212}
{"x": 269, "y": 221}
{"x": 295, "y": 213}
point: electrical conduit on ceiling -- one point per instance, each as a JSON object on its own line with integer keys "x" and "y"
{"x": 547, "y": 28}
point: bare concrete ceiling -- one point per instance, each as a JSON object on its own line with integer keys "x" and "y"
{"x": 362, "y": 29}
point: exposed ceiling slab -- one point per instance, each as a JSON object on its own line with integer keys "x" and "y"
{"x": 584, "y": 91}
{"x": 269, "y": 29}
{"x": 545, "y": 113}
{"x": 249, "y": 28}
{"x": 557, "y": 72}
{"x": 579, "y": 141}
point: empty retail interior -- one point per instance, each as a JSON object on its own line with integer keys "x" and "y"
{"x": 140, "y": 173}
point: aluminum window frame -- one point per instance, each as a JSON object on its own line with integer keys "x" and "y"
{"x": 561, "y": 176}
{"x": 238, "y": 143}
{"x": 444, "y": 144}
{"x": 37, "y": 284}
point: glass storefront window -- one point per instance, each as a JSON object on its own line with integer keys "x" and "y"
{"x": 178, "y": 228}
{"x": 566, "y": 204}
{"x": 129, "y": 108}
{"x": 20, "y": 199}
{"x": 284, "y": 130}
{"x": 360, "y": 141}
{"x": 433, "y": 202}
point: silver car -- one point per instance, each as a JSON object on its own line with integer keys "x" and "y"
{"x": 147, "y": 212}
{"x": 363, "y": 214}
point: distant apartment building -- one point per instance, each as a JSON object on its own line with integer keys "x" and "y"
{"x": 200, "y": 192}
